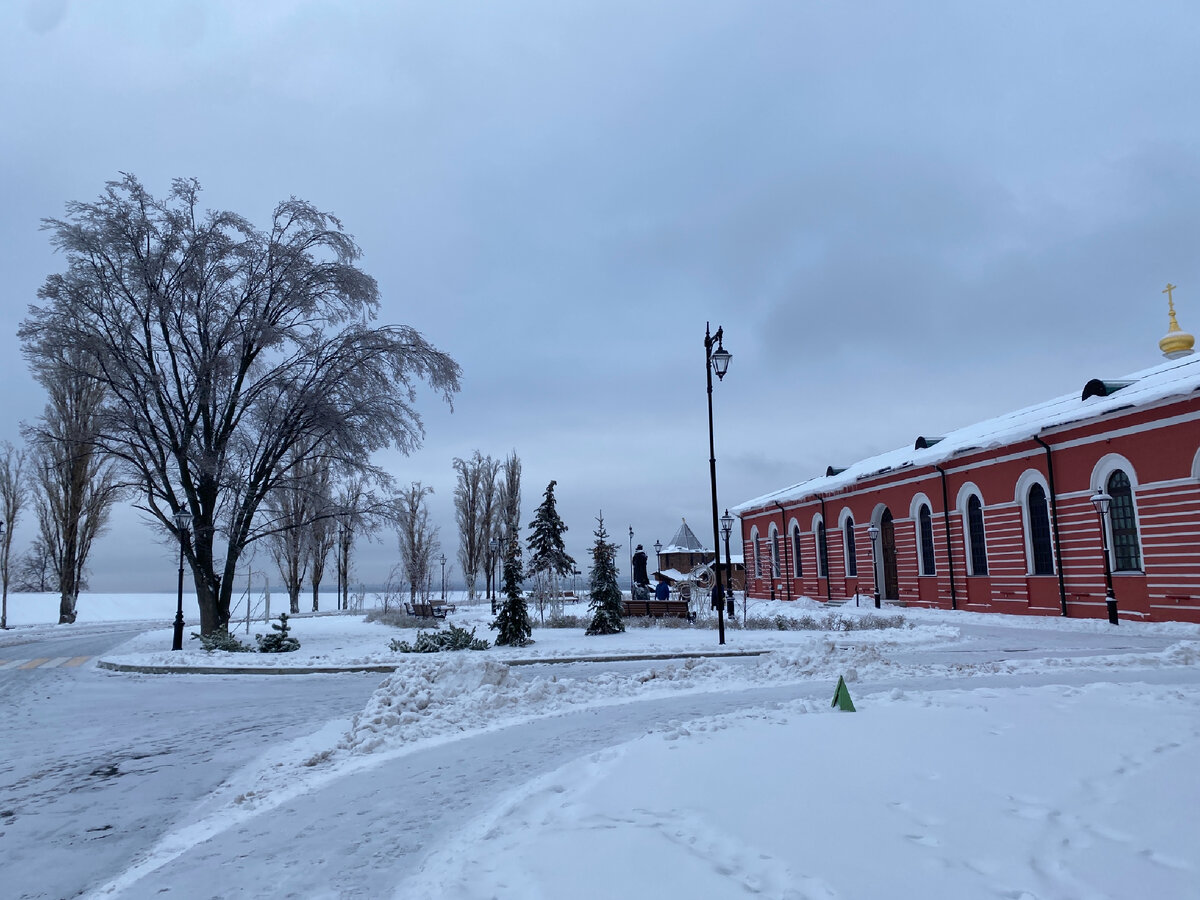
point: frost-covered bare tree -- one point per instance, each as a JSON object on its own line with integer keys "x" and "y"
{"x": 350, "y": 521}
{"x": 418, "y": 538}
{"x": 489, "y": 515}
{"x": 13, "y": 492}
{"x": 75, "y": 482}
{"x": 476, "y": 478}
{"x": 290, "y": 510}
{"x": 225, "y": 352}
{"x": 32, "y": 570}
{"x": 508, "y": 522}
{"x": 323, "y": 531}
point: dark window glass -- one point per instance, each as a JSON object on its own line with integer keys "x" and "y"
{"x": 774, "y": 554}
{"x": 1126, "y": 555}
{"x": 926, "y": 520}
{"x": 975, "y": 527}
{"x": 822, "y": 552}
{"x": 851, "y": 557}
{"x": 797, "y": 567}
{"x": 1039, "y": 532}
{"x": 757, "y": 557}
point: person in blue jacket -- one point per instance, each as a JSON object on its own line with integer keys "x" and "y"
{"x": 662, "y": 590}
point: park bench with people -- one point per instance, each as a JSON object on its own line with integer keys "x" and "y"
{"x": 658, "y": 609}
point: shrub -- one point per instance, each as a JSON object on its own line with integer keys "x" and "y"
{"x": 221, "y": 640}
{"x": 453, "y": 638}
{"x": 398, "y": 619}
{"x": 558, "y": 619}
{"x": 279, "y": 641}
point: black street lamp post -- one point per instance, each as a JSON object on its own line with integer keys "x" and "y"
{"x": 1102, "y": 501}
{"x": 658, "y": 555}
{"x": 726, "y": 530}
{"x": 442, "y": 559}
{"x": 631, "y": 563}
{"x": 4, "y": 608}
{"x": 873, "y": 533}
{"x": 183, "y": 521}
{"x": 715, "y": 360}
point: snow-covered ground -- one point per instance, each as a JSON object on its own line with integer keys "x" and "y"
{"x": 989, "y": 756}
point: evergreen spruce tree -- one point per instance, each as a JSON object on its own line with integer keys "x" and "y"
{"x": 548, "y": 557}
{"x": 605, "y": 591}
{"x": 512, "y": 621}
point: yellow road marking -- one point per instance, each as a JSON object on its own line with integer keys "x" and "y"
{"x": 34, "y": 663}
{"x": 77, "y": 661}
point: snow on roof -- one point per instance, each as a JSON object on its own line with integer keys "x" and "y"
{"x": 685, "y": 541}
{"x": 1174, "y": 378}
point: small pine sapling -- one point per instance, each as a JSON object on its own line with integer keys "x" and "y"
{"x": 221, "y": 640}
{"x": 453, "y": 638}
{"x": 512, "y": 621}
{"x": 605, "y": 592}
{"x": 280, "y": 641}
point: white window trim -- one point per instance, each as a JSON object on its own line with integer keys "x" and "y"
{"x": 919, "y": 499}
{"x": 1101, "y": 472}
{"x": 1028, "y": 479}
{"x": 773, "y": 549}
{"x": 965, "y": 493}
{"x": 794, "y": 536}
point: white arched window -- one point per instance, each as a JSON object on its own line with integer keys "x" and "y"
{"x": 1117, "y": 477}
{"x": 757, "y": 551}
{"x": 774, "y": 534}
{"x": 797, "y": 564}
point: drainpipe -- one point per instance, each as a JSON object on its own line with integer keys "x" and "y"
{"x": 783, "y": 556}
{"x": 1062, "y": 588}
{"x": 825, "y": 522}
{"x": 949, "y": 548}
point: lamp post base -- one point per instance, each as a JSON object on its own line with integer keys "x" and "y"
{"x": 877, "y": 599}
{"x": 1111, "y": 603}
{"x": 177, "y": 640}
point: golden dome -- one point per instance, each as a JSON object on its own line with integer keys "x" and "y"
{"x": 1176, "y": 342}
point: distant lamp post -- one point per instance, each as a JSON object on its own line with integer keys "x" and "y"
{"x": 630, "y": 562}
{"x": 1102, "y": 501}
{"x": 716, "y": 359}
{"x": 495, "y": 545}
{"x": 726, "y": 530}
{"x": 442, "y": 560}
{"x": 658, "y": 555}
{"x": 575, "y": 582}
{"x": 873, "y": 533}
{"x": 183, "y": 521}
{"x": 4, "y": 608}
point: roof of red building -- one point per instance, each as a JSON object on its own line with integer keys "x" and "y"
{"x": 1174, "y": 378}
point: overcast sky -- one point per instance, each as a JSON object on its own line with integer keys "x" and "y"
{"x": 907, "y": 216}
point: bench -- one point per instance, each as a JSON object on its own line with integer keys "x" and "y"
{"x": 424, "y": 610}
{"x": 658, "y": 609}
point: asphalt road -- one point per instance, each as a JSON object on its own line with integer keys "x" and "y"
{"x": 96, "y": 766}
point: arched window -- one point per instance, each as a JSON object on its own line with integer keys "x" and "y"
{"x": 774, "y": 552}
{"x": 925, "y": 519}
{"x": 797, "y": 568}
{"x": 757, "y": 551}
{"x": 1126, "y": 555}
{"x": 1039, "y": 531}
{"x": 822, "y": 551}
{"x": 851, "y": 557}
{"x": 975, "y": 536}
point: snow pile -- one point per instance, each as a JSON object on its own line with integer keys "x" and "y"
{"x": 428, "y": 698}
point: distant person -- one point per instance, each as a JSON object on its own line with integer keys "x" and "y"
{"x": 639, "y": 567}
{"x": 662, "y": 591}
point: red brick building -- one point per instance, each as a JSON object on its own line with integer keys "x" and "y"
{"x": 998, "y": 516}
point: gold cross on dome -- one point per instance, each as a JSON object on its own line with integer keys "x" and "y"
{"x": 1167, "y": 290}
